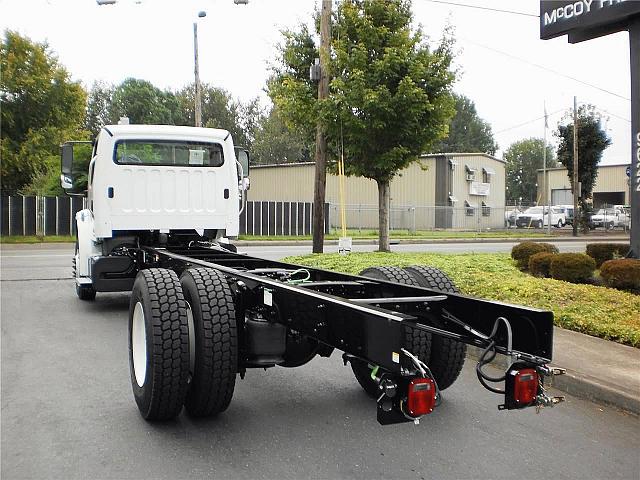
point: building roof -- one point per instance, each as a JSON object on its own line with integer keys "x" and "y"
{"x": 468, "y": 154}
{"x": 599, "y": 166}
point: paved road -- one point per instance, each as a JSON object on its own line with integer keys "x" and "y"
{"x": 54, "y": 260}
{"x": 68, "y": 411}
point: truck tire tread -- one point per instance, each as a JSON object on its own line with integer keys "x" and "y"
{"x": 447, "y": 356}
{"x": 165, "y": 388}
{"x": 216, "y": 341}
{"x": 416, "y": 341}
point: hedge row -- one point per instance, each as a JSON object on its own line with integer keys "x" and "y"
{"x": 543, "y": 260}
{"x": 601, "y": 252}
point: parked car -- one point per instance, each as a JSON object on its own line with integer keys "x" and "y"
{"x": 510, "y": 216}
{"x": 608, "y": 218}
{"x": 568, "y": 213}
{"x": 538, "y": 217}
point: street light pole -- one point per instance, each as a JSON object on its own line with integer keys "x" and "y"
{"x": 196, "y": 71}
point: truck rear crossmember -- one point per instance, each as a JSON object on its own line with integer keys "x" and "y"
{"x": 286, "y": 314}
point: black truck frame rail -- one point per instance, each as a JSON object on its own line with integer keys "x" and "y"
{"x": 368, "y": 319}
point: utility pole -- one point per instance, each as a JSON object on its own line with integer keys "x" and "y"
{"x": 196, "y": 71}
{"x": 320, "y": 184}
{"x": 576, "y": 184}
{"x": 545, "y": 183}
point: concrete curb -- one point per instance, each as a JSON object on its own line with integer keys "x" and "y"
{"x": 578, "y": 385}
{"x": 402, "y": 241}
{"x": 255, "y": 243}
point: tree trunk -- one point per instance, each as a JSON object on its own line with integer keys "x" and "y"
{"x": 320, "y": 184}
{"x": 383, "y": 216}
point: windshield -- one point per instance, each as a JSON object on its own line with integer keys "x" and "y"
{"x": 168, "y": 153}
{"x": 605, "y": 211}
{"x": 534, "y": 210}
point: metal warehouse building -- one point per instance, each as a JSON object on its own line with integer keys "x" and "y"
{"x": 611, "y": 187}
{"x": 457, "y": 190}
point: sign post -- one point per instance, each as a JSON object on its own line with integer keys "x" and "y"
{"x": 584, "y": 20}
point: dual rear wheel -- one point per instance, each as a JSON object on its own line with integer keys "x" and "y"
{"x": 183, "y": 345}
{"x": 445, "y": 357}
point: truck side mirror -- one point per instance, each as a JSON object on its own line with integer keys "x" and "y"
{"x": 66, "y": 166}
{"x": 242, "y": 156}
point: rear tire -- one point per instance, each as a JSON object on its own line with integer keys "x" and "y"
{"x": 86, "y": 292}
{"x": 447, "y": 356}
{"x": 208, "y": 294}
{"x": 417, "y": 342}
{"x": 158, "y": 344}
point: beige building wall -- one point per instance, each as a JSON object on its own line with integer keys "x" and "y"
{"x": 611, "y": 178}
{"x": 412, "y": 192}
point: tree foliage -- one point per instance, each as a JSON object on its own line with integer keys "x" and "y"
{"x": 524, "y": 158}
{"x": 592, "y": 141}
{"x": 274, "y": 143}
{"x": 389, "y": 97}
{"x": 41, "y": 107}
{"x": 99, "y": 108}
{"x": 467, "y": 131}
{"x": 219, "y": 110}
{"x": 144, "y": 103}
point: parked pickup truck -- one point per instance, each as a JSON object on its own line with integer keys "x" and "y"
{"x": 539, "y": 216}
{"x": 609, "y": 218}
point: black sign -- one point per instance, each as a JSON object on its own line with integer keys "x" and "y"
{"x": 585, "y": 19}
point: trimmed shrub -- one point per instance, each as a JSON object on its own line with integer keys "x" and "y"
{"x": 540, "y": 263}
{"x": 521, "y": 252}
{"x": 601, "y": 252}
{"x": 623, "y": 273}
{"x": 572, "y": 267}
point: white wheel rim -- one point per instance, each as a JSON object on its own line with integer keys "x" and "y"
{"x": 192, "y": 339}
{"x": 139, "y": 345}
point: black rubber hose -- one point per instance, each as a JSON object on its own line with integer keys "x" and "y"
{"x": 483, "y": 376}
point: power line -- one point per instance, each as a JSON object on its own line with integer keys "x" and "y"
{"x": 546, "y": 68}
{"x": 484, "y": 8}
{"x": 605, "y": 111}
{"x": 528, "y": 122}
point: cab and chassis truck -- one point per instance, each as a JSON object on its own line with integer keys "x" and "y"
{"x": 163, "y": 202}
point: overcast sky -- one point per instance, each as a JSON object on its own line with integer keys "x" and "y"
{"x": 153, "y": 40}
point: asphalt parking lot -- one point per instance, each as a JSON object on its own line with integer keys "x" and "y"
{"x": 68, "y": 411}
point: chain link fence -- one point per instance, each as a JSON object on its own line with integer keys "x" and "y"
{"x": 413, "y": 218}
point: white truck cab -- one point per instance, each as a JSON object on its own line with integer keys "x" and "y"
{"x": 153, "y": 184}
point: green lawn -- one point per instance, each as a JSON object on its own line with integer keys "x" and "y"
{"x": 598, "y": 311}
{"x": 34, "y": 239}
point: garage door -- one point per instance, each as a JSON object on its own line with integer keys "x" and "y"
{"x": 561, "y": 196}
{"x": 607, "y": 199}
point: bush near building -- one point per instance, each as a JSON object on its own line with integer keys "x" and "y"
{"x": 601, "y": 252}
{"x": 572, "y": 267}
{"x": 521, "y": 252}
{"x": 540, "y": 264}
{"x": 623, "y": 273}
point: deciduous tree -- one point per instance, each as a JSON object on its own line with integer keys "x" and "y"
{"x": 592, "y": 141}
{"x": 41, "y": 107}
{"x": 467, "y": 131}
{"x": 524, "y": 158}
{"x": 390, "y": 94}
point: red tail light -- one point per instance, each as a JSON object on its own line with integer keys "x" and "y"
{"x": 525, "y": 386}
{"x": 421, "y": 397}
